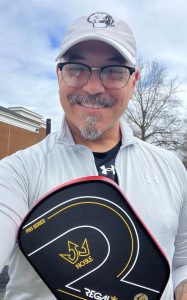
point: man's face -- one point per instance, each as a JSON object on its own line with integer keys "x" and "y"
{"x": 84, "y": 107}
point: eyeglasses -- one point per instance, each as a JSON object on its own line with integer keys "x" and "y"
{"x": 112, "y": 76}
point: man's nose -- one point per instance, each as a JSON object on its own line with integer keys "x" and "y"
{"x": 94, "y": 84}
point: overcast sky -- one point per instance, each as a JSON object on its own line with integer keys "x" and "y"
{"x": 31, "y": 32}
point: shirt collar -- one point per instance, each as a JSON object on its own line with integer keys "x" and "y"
{"x": 66, "y": 137}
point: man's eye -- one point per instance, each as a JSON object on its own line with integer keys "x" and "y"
{"x": 114, "y": 73}
{"x": 76, "y": 69}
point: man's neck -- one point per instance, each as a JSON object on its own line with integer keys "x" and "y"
{"x": 100, "y": 145}
{"x": 105, "y": 142}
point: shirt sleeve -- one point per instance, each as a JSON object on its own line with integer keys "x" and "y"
{"x": 180, "y": 254}
{"x": 13, "y": 203}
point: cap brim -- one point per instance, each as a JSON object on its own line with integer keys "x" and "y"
{"x": 123, "y": 51}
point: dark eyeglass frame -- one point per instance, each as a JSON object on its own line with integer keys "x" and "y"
{"x": 130, "y": 69}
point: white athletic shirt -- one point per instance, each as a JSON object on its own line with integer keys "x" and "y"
{"x": 153, "y": 179}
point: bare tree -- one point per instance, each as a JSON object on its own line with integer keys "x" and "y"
{"x": 184, "y": 150}
{"x": 154, "y": 111}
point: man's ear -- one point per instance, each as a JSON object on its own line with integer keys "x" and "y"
{"x": 134, "y": 80}
{"x": 135, "y": 77}
{"x": 57, "y": 72}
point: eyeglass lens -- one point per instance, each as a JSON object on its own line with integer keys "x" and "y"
{"x": 114, "y": 77}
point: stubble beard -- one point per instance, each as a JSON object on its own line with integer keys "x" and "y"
{"x": 89, "y": 129}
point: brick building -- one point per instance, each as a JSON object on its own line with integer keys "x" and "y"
{"x": 19, "y": 129}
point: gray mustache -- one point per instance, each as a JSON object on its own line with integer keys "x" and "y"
{"x": 104, "y": 102}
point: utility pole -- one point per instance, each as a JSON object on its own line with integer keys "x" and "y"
{"x": 48, "y": 126}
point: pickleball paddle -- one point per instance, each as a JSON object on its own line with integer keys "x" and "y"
{"x": 85, "y": 241}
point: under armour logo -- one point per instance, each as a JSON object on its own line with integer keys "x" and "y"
{"x": 106, "y": 170}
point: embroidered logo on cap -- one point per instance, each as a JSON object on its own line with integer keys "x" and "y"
{"x": 100, "y": 20}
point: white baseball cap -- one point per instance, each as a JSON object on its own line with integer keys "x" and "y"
{"x": 101, "y": 26}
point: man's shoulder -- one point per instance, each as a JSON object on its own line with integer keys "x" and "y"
{"x": 160, "y": 156}
{"x": 158, "y": 150}
{"x": 35, "y": 153}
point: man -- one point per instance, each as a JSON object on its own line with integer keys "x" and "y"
{"x": 96, "y": 75}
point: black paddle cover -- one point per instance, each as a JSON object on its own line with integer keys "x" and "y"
{"x": 86, "y": 242}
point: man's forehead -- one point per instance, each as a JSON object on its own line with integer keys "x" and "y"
{"x": 97, "y": 48}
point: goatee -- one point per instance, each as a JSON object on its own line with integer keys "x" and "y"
{"x": 89, "y": 130}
